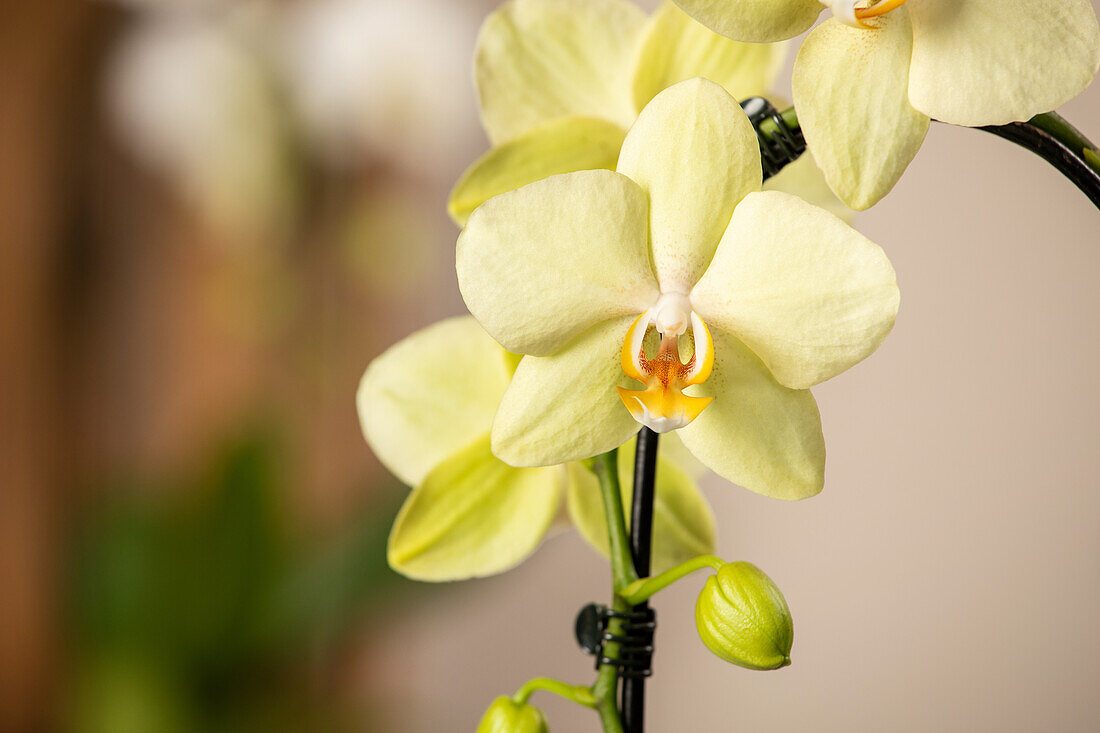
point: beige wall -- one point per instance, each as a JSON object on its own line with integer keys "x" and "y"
{"x": 948, "y": 578}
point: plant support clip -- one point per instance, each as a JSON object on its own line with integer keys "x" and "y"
{"x": 635, "y": 655}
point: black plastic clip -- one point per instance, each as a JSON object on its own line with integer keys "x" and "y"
{"x": 635, "y": 642}
{"x": 778, "y": 148}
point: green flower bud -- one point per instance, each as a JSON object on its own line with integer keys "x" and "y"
{"x": 743, "y": 618}
{"x": 506, "y": 715}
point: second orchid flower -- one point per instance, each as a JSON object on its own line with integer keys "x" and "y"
{"x": 778, "y": 294}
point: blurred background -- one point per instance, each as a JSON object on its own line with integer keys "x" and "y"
{"x": 215, "y": 214}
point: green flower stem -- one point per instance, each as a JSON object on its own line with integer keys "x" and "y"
{"x": 645, "y": 588}
{"x": 606, "y": 687}
{"x": 622, "y": 564}
{"x": 607, "y": 679}
{"x": 576, "y": 693}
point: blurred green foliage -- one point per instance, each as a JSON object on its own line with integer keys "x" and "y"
{"x": 201, "y": 612}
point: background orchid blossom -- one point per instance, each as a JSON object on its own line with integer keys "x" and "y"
{"x": 190, "y": 95}
{"x": 560, "y": 82}
{"x": 426, "y": 406}
{"x": 791, "y": 295}
{"x": 865, "y": 92}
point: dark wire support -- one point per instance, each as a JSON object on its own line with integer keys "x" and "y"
{"x": 779, "y": 147}
{"x": 641, "y": 546}
{"x": 1068, "y": 161}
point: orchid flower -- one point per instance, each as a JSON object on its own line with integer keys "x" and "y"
{"x": 426, "y": 406}
{"x": 769, "y": 295}
{"x": 560, "y": 82}
{"x": 867, "y": 83}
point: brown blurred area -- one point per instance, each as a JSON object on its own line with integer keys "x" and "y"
{"x": 140, "y": 331}
{"x": 40, "y": 100}
{"x": 192, "y": 531}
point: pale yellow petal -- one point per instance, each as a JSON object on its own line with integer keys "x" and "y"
{"x": 804, "y": 179}
{"x": 683, "y": 523}
{"x": 757, "y": 433}
{"x": 673, "y": 449}
{"x": 695, "y": 153}
{"x": 430, "y": 395}
{"x": 564, "y": 407}
{"x": 473, "y": 516}
{"x": 990, "y": 62}
{"x": 539, "y": 265}
{"x": 537, "y": 60}
{"x": 850, "y": 90}
{"x": 755, "y": 21}
{"x": 675, "y": 48}
{"x": 563, "y": 145}
{"x": 806, "y": 292}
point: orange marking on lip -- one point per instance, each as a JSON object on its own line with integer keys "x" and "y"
{"x": 662, "y": 405}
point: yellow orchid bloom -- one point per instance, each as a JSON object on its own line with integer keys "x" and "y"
{"x": 867, "y": 82}
{"x": 560, "y": 82}
{"x": 575, "y": 270}
{"x": 426, "y": 406}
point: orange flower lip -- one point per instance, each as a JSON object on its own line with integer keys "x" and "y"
{"x": 662, "y": 405}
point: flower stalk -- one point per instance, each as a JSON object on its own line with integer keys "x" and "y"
{"x": 605, "y": 689}
{"x": 1049, "y": 135}
{"x": 645, "y": 588}
{"x": 1062, "y": 145}
{"x": 622, "y": 565}
{"x": 577, "y": 693}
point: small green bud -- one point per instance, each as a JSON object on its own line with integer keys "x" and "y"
{"x": 743, "y": 618}
{"x": 506, "y": 715}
